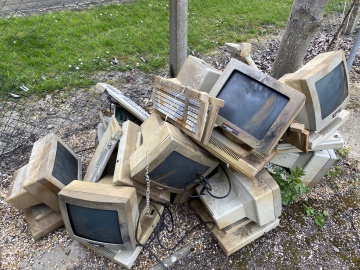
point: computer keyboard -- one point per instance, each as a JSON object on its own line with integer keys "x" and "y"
{"x": 183, "y": 106}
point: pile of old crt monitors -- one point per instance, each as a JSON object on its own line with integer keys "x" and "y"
{"x": 35, "y": 187}
{"x": 251, "y": 128}
{"x": 210, "y": 136}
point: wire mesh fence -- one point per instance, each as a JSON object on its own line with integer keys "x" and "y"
{"x": 53, "y": 52}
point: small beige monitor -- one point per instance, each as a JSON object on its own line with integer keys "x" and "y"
{"x": 324, "y": 81}
{"x": 100, "y": 215}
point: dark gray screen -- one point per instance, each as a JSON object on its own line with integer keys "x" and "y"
{"x": 65, "y": 166}
{"x": 250, "y": 104}
{"x": 177, "y": 170}
{"x": 332, "y": 90}
{"x": 95, "y": 224}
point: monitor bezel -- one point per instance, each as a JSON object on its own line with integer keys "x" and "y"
{"x": 304, "y": 80}
{"x": 283, "y": 121}
{"x": 123, "y": 200}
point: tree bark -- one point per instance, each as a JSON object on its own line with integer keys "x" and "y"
{"x": 303, "y": 23}
{"x": 354, "y": 18}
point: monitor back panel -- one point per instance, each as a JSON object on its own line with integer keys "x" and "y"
{"x": 17, "y": 196}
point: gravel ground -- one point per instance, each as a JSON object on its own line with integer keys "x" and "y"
{"x": 296, "y": 243}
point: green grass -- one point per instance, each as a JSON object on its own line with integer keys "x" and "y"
{"x": 55, "y": 50}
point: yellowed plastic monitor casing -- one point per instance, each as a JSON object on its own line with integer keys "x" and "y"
{"x": 304, "y": 80}
{"x": 165, "y": 140}
{"x": 266, "y": 144}
{"x": 92, "y": 195}
{"x": 257, "y": 198}
{"x": 40, "y": 179}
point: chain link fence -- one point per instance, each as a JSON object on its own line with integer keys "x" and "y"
{"x": 53, "y": 52}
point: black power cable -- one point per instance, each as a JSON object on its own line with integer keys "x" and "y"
{"x": 206, "y": 186}
{"x": 163, "y": 226}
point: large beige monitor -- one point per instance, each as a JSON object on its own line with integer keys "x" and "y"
{"x": 258, "y": 108}
{"x": 169, "y": 158}
{"x": 257, "y": 199}
{"x": 100, "y": 215}
{"x": 325, "y": 82}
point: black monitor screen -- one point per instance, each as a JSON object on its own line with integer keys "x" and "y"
{"x": 66, "y": 165}
{"x": 250, "y": 105}
{"x": 95, "y": 224}
{"x": 332, "y": 90}
{"x": 177, "y": 170}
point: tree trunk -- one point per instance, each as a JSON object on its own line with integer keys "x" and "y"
{"x": 303, "y": 23}
{"x": 354, "y": 18}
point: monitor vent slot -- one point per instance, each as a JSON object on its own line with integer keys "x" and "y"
{"x": 331, "y": 126}
{"x": 257, "y": 154}
{"x": 224, "y": 148}
{"x": 146, "y": 224}
{"x": 174, "y": 106}
{"x": 108, "y": 252}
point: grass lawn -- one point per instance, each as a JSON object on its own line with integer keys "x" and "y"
{"x": 54, "y": 50}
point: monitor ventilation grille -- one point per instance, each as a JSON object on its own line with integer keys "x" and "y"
{"x": 257, "y": 154}
{"x": 106, "y": 251}
{"x": 146, "y": 224}
{"x": 224, "y": 148}
{"x": 331, "y": 126}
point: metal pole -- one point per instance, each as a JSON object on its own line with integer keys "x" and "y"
{"x": 353, "y": 51}
{"x": 178, "y": 35}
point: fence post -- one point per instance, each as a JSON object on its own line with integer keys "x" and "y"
{"x": 178, "y": 35}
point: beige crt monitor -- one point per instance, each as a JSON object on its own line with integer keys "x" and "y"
{"x": 169, "y": 158}
{"x": 122, "y": 177}
{"x": 325, "y": 82}
{"x": 148, "y": 223}
{"x": 257, "y": 199}
{"x": 258, "y": 108}
{"x": 315, "y": 164}
{"x": 17, "y": 196}
{"x": 52, "y": 166}
{"x": 235, "y": 236}
{"x": 197, "y": 74}
{"x": 100, "y": 215}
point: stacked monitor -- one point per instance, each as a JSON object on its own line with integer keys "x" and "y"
{"x": 35, "y": 187}
{"x": 157, "y": 159}
{"x": 99, "y": 214}
{"x": 258, "y": 108}
{"x": 169, "y": 158}
{"x": 325, "y": 82}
